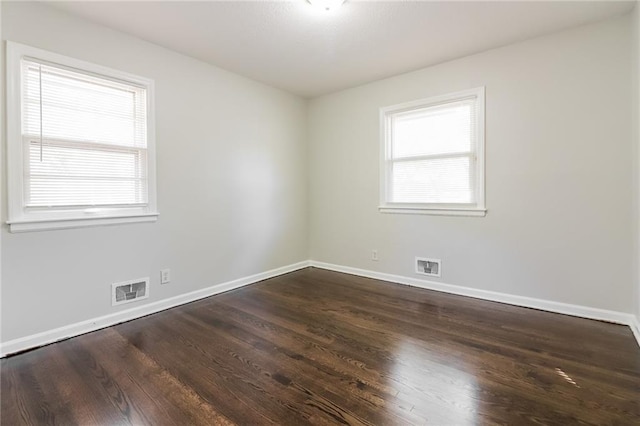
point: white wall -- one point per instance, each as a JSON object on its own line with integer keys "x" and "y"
{"x": 635, "y": 78}
{"x": 559, "y": 173}
{"x": 231, "y": 185}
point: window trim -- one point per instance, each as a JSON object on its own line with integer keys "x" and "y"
{"x": 440, "y": 209}
{"x": 20, "y": 217}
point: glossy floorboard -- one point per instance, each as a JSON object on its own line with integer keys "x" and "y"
{"x": 322, "y": 347}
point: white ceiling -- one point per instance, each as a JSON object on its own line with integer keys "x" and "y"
{"x": 309, "y": 52}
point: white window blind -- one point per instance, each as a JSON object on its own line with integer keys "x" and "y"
{"x": 432, "y": 153}
{"x": 80, "y": 143}
{"x": 84, "y": 139}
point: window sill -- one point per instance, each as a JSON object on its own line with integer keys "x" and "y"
{"x": 434, "y": 211}
{"x": 52, "y": 224}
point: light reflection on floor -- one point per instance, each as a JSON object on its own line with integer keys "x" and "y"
{"x": 566, "y": 377}
{"x": 431, "y": 382}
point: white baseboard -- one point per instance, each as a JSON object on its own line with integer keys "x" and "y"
{"x": 635, "y": 328}
{"x": 50, "y": 336}
{"x": 54, "y": 335}
{"x": 527, "y": 302}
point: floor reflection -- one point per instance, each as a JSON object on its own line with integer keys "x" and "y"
{"x": 566, "y": 377}
{"x": 434, "y": 386}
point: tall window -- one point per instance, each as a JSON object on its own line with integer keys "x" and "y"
{"x": 433, "y": 155}
{"x": 80, "y": 143}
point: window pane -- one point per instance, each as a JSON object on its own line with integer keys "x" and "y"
{"x": 441, "y": 129}
{"x": 81, "y": 107}
{"x": 47, "y": 192}
{"x": 93, "y": 146}
{"x": 71, "y": 175}
{"x": 444, "y": 180}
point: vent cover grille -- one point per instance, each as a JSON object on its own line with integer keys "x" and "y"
{"x": 129, "y": 291}
{"x": 430, "y": 267}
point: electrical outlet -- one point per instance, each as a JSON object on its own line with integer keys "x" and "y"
{"x": 165, "y": 276}
{"x": 374, "y": 255}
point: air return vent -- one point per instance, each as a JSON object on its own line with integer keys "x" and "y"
{"x": 129, "y": 291}
{"x": 430, "y": 267}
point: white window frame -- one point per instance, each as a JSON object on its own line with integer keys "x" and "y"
{"x": 448, "y": 209}
{"x": 22, "y": 219}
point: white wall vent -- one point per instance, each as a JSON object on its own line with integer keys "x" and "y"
{"x": 129, "y": 291}
{"x": 430, "y": 267}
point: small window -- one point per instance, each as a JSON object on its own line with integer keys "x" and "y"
{"x": 432, "y": 155}
{"x": 81, "y": 145}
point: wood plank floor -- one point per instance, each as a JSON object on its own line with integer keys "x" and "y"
{"x": 319, "y": 347}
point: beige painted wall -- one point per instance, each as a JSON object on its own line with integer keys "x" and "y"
{"x": 558, "y": 173}
{"x": 635, "y": 79}
{"x": 231, "y": 185}
{"x": 239, "y": 189}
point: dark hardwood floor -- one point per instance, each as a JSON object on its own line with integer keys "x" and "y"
{"x": 320, "y": 347}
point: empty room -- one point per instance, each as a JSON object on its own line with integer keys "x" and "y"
{"x": 320, "y": 212}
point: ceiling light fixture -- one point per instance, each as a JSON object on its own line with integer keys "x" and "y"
{"x": 327, "y": 5}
